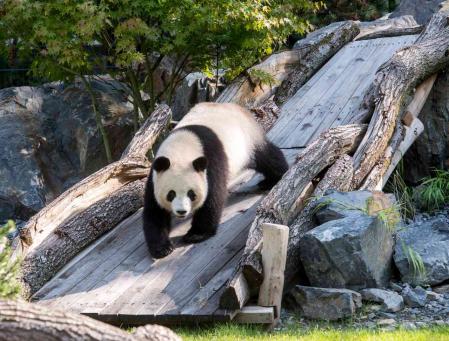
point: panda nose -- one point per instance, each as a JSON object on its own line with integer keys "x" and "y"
{"x": 181, "y": 212}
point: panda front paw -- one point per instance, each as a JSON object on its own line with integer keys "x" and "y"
{"x": 266, "y": 184}
{"x": 158, "y": 251}
{"x": 191, "y": 238}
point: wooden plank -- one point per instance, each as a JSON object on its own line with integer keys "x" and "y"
{"x": 197, "y": 270}
{"x": 255, "y": 315}
{"x": 74, "y": 273}
{"x": 350, "y": 114}
{"x": 323, "y": 113}
{"x": 274, "y": 256}
{"x": 309, "y": 94}
{"x": 420, "y": 96}
{"x": 157, "y": 282}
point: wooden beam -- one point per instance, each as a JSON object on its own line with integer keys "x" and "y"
{"x": 237, "y": 294}
{"x": 274, "y": 256}
{"x": 255, "y": 315}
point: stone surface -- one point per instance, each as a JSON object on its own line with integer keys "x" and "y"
{"x": 353, "y": 252}
{"x": 421, "y": 10}
{"x": 431, "y": 243}
{"x": 391, "y": 301}
{"x": 441, "y": 289}
{"x": 195, "y": 88}
{"x": 50, "y": 141}
{"x": 325, "y": 304}
{"x": 416, "y": 297}
{"x": 337, "y": 205}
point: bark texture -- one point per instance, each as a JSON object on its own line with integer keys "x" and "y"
{"x": 394, "y": 81}
{"x": 26, "y": 321}
{"x": 287, "y": 198}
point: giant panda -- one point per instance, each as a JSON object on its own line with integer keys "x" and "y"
{"x": 194, "y": 165}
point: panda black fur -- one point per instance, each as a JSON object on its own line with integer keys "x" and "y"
{"x": 194, "y": 165}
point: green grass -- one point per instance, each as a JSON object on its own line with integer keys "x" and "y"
{"x": 234, "y": 332}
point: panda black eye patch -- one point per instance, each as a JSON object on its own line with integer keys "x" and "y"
{"x": 191, "y": 194}
{"x": 171, "y": 195}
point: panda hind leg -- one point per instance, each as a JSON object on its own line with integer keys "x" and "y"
{"x": 271, "y": 163}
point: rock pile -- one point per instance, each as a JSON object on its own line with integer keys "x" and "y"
{"x": 351, "y": 257}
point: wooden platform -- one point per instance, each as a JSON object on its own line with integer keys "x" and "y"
{"x": 115, "y": 280}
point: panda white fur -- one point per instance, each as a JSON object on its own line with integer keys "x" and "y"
{"x": 209, "y": 147}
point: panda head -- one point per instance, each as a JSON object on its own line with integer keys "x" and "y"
{"x": 180, "y": 188}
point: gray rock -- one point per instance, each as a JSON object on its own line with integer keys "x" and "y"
{"x": 324, "y": 303}
{"x": 50, "y": 141}
{"x": 431, "y": 244}
{"x": 195, "y": 88}
{"x": 395, "y": 287}
{"x": 354, "y": 252}
{"x": 391, "y": 301}
{"x": 386, "y": 322}
{"x": 338, "y": 205}
{"x": 421, "y": 10}
{"x": 414, "y": 297}
{"x": 433, "y": 296}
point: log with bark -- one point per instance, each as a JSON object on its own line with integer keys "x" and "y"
{"x": 393, "y": 27}
{"x": 26, "y": 321}
{"x": 283, "y": 203}
{"x": 393, "y": 83}
{"x": 87, "y": 210}
{"x": 289, "y": 68}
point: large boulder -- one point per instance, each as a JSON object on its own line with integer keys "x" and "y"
{"x": 428, "y": 240}
{"x": 324, "y": 303}
{"x": 355, "y": 250}
{"x": 421, "y": 10}
{"x": 50, "y": 140}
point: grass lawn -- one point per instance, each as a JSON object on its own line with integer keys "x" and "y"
{"x": 234, "y": 332}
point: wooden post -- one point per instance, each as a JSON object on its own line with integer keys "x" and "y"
{"x": 274, "y": 255}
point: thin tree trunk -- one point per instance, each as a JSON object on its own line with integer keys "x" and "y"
{"x": 98, "y": 119}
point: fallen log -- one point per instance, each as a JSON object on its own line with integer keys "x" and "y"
{"x": 75, "y": 233}
{"x": 26, "y": 321}
{"x": 283, "y": 203}
{"x": 308, "y": 55}
{"x": 389, "y": 28}
{"x": 394, "y": 81}
{"x": 60, "y": 230}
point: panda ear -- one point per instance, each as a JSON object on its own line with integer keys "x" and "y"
{"x": 161, "y": 164}
{"x": 200, "y": 164}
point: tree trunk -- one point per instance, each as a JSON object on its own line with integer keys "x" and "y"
{"x": 84, "y": 205}
{"x": 289, "y": 69}
{"x": 389, "y": 28}
{"x": 286, "y": 199}
{"x": 394, "y": 81}
{"x": 26, "y": 321}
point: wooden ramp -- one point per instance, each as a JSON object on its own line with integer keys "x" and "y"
{"x": 116, "y": 281}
